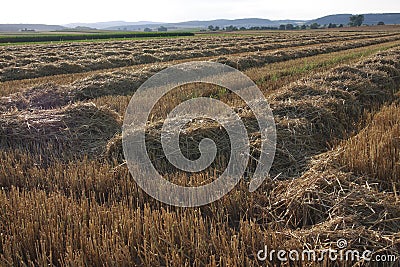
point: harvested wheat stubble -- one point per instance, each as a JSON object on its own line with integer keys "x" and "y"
{"x": 375, "y": 151}
{"x": 90, "y": 213}
{"x": 311, "y": 212}
{"x": 79, "y": 129}
{"x": 256, "y": 59}
{"x": 126, "y": 82}
{"x": 86, "y": 57}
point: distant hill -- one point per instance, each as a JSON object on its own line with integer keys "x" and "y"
{"x": 369, "y": 19}
{"x": 248, "y": 22}
{"x": 335, "y": 19}
{"x": 109, "y": 24}
{"x": 36, "y": 27}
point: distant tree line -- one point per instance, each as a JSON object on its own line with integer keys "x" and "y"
{"x": 281, "y": 27}
{"x": 354, "y": 21}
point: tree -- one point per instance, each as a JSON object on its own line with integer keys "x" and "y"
{"x": 162, "y": 29}
{"x": 231, "y": 28}
{"x": 303, "y": 27}
{"x": 148, "y": 30}
{"x": 314, "y": 26}
{"x": 289, "y": 27}
{"x": 216, "y": 28}
{"x": 340, "y": 25}
{"x": 380, "y": 23}
{"x": 211, "y": 28}
{"x": 242, "y": 28}
{"x": 282, "y": 27}
{"x": 332, "y": 26}
{"x": 356, "y": 20}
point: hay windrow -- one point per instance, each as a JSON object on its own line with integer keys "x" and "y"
{"x": 327, "y": 203}
{"x": 80, "y": 129}
{"x": 40, "y": 60}
{"x": 49, "y": 96}
{"x": 114, "y": 152}
{"x": 113, "y": 83}
{"x": 46, "y": 96}
{"x": 325, "y": 191}
{"x": 256, "y": 59}
{"x": 330, "y": 108}
{"x": 320, "y": 112}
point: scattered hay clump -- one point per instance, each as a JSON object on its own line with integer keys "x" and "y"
{"x": 78, "y": 129}
{"x": 45, "y": 96}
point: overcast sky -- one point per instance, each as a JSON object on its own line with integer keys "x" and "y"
{"x": 62, "y": 12}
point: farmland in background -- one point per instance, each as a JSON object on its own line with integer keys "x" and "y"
{"x": 67, "y": 198}
{"x": 76, "y": 36}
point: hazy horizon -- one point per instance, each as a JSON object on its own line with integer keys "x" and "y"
{"x": 74, "y": 11}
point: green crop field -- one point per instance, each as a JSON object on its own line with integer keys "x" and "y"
{"x": 62, "y": 37}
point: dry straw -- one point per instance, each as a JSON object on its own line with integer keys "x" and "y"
{"x": 24, "y": 62}
{"x": 91, "y": 212}
{"x": 310, "y": 115}
{"x": 72, "y": 130}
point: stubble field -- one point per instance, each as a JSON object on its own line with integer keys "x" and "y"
{"x": 67, "y": 198}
